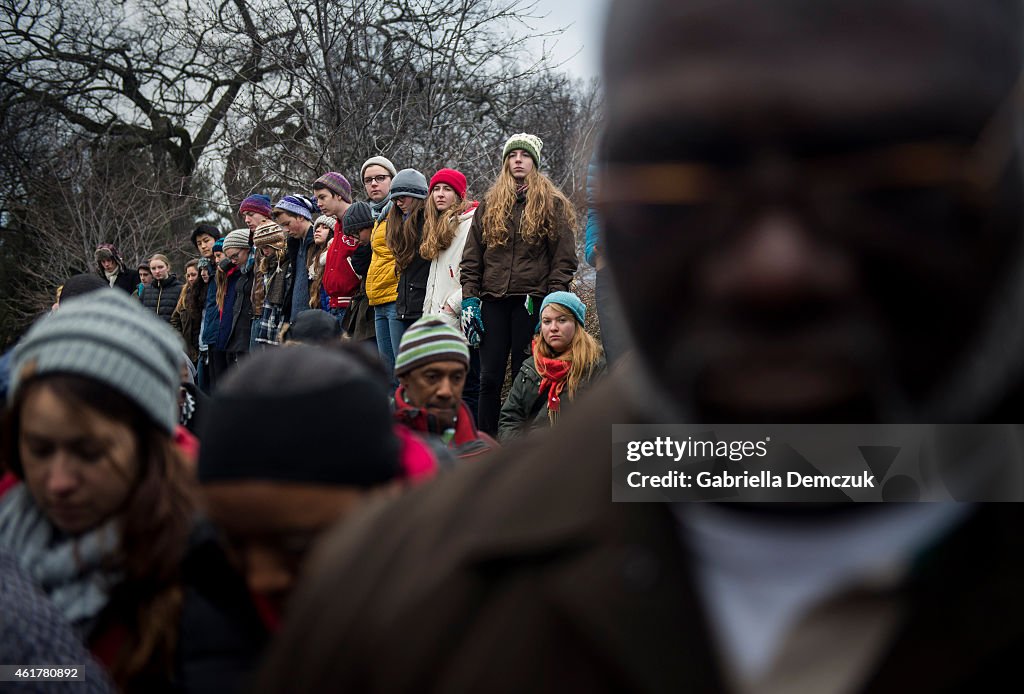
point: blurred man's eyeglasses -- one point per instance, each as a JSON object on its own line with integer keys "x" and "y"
{"x": 380, "y": 178}
{"x": 233, "y": 258}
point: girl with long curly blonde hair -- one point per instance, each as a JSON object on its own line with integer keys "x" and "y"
{"x": 521, "y": 247}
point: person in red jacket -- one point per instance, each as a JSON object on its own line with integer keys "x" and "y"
{"x": 340, "y": 280}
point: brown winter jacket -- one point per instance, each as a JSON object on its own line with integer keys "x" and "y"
{"x": 516, "y": 268}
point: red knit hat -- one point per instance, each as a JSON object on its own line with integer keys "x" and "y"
{"x": 453, "y": 178}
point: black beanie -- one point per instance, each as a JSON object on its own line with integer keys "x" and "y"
{"x": 304, "y": 414}
{"x": 77, "y": 285}
{"x": 314, "y": 327}
{"x": 357, "y": 217}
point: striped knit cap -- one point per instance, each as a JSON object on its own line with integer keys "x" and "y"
{"x": 256, "y": 203}
{"x": 336, "y": 183}
{"x": 428, "y": 340}
{"x": 109, "y": 337}
{"x": 296, "y": 205}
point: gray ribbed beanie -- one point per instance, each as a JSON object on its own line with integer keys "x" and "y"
{"x": 109, "y": 337}
{"x": 409, "y": 182}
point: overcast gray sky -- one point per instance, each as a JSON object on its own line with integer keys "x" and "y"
{"x": 586, "y": 22}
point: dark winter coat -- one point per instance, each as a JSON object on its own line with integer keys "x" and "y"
{"x": 236, "y": 318}
{"x": 517, "y": 268}
{"x": 126, "y": 280}
{"x": 211, "y": 327}
{"x": 539, "y": 583}
{"x": 220, "y": 633}
{"x": 161, "y": 296}
{"x": 525, "y": 409}
{"x": 187, "y": 317}
{"x": 33, "y": 631}
{"x": 412, "y": 283}
{"x": 359, "y": 320}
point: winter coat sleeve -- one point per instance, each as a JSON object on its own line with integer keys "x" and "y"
{"x": 563, "y": 259}
{"x": 361, "y": 260}
{"x": 593, "y": 232}
{"x": 176, "y": 314}
{"x": 472, "y": 266}
{"x": 516, "y": 412}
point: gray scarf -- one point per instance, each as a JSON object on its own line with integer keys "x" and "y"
{"x": 69, "y": 570}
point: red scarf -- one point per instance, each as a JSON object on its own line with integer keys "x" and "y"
{"x": 554, "y": 373}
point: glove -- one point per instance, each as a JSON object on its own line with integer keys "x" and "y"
{"x": 472, "y": 321}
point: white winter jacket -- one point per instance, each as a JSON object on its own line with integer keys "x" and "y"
{"x": 444, "y": 288}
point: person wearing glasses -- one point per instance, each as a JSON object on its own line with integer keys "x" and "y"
{"x": 521, "y": 247}
{"x": 234, "y": 300}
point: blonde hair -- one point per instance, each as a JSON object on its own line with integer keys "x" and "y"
{"x": 222, "y": 287}
{"x": 546, "y": 208}
{"x": 440, "y": 228}
{"x": 162, "y": 258}
{"x": 583, "y": 354}
{"x": 403, "y": 235}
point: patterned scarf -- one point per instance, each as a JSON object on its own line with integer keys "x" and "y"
{"x": 70, "y": 570}
{"x": 554, "y": 374}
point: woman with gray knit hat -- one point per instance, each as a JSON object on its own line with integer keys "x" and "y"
{"x": 397, "y": 230}
{"x": 104, "y": 517}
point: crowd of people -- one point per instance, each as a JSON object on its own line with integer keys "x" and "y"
{"x": 173, "y": 449}
{"x": 812, "y": 212}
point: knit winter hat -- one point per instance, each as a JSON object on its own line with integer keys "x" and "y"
{"x": 109, "y": 337}
{"x": 297, "y": 205}
{"x": 218, "y": 245}
{"x": 293, "y": 383}
{"x": 525, "y": 141}
{"x": 107, "y": 251}
{"x": 205, "y": 229}
{"x": 409, "y": 182}
{"x": 357, "y": 217}
{"x": 452, "y": 177}
{"x": 428, "y": 340}
{"x": 570, "y": 301}
{"x": 256, "y": 203}
{"x": 239, "y": 238}
{"x": 269, "y": 233}
{"x": 379, "y": 161}
{"x": 336, "y": 183}
{"x": 326, "y": 220}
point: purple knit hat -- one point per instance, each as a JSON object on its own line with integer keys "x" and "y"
{"x": 336, "y": 183}
{"x": 296, "y": 205}
{"x": 256, "y": 203}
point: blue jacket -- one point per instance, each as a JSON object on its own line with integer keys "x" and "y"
{"x": 300, "y": 287}
{"x": 593, "y": 233}
{"x": 211, "y": 319}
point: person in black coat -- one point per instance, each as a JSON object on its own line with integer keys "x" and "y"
{"x": 161, "y": 296}
{"x": 111, "y": 268}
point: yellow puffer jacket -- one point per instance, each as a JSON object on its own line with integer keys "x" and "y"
{"x": 381, "y": 280}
